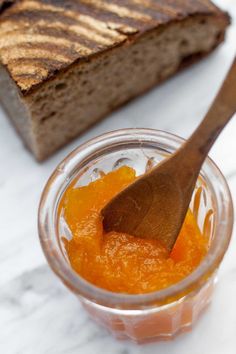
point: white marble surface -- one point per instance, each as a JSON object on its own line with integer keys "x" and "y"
{"x": 38, "y": 315}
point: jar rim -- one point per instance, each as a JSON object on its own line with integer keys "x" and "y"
{"x": 80, "y": 286}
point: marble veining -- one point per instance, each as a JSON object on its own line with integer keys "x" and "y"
{"x": 38, "y": 315}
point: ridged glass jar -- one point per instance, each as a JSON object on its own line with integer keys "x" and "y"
{"x": 157, "y": 315}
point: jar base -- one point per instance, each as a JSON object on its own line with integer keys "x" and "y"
{"x": 163, "y": 325}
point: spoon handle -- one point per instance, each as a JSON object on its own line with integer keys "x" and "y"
{"x": 192, "y": 154}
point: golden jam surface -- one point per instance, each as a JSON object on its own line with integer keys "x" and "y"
{"x": 120, "y": 262}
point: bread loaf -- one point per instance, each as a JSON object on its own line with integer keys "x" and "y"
{"x": 67, "y": 64}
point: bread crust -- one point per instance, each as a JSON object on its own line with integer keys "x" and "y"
{"x": 4, "y": 4}
{"x": 39, "y": 38}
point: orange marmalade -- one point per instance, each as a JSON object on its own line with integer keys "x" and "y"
{"x": 120, "y": 262}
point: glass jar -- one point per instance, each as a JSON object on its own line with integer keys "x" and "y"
{"x": 157, "y": 315}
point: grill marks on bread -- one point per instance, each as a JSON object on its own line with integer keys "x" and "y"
{"x": 40, "y": 37}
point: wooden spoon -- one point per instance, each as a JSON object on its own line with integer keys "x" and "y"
{"x": 155, "y": 205}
